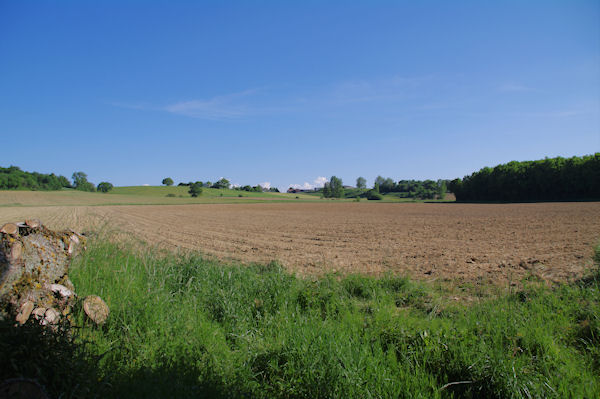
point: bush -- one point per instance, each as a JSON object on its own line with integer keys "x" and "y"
{"x": 374, "y": 195}
{"x": 105, "y": 187}
{"x": 195, "y": 189}
{"x": 170, "y": 195}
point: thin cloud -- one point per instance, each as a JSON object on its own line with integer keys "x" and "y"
{"x": 361, "y": 91}
{"x": 219, "y": 107}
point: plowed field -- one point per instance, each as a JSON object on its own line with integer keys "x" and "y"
{"x": 468, "y": 241}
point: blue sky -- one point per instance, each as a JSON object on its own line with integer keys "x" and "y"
{"x": 287, "y": 92}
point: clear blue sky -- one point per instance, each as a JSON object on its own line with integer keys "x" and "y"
{"x": 282, "y": 92}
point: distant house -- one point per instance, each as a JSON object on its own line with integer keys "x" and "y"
{"x": 295, "y": 190}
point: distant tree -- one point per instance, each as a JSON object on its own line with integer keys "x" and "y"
{"x": 222, "y": 183}
{"x": 208, "y": 184}
{"x": 167, "y": 181}
{"x": 105, "y": 187}
{"x": 195, "y": 189}
{"x": 183, "y": 184}
{"x": 361, "y": 182}
{"x": 79, "y": 178}
{"x": 64, "y": 182}
{"x": 273, "y": 190}
{"x": 326, "y": 190}
{"x": 80, "y": 182}
{"x": 336, "y": 186}
{"x": 442, "y": 189}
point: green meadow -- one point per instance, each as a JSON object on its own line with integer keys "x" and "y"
{"x": 186, "y": 326}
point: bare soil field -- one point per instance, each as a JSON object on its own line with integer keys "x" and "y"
{"x": 483, "y": 242}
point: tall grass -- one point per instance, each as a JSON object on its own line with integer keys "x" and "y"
{"x": 184, "y": 326}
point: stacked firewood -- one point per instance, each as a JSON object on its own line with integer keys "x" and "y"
{"x": 34, "y": 275}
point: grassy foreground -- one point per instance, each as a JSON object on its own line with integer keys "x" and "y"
{"x": 183, "y": 326}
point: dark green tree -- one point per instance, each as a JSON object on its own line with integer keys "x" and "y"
{"x": 195, "y": 189}
{"x": 327, "y": 190}
{"x": 104, "y": 187}
{"x": 167, "y": 181}
{"x": 222, "y": 183}
{"x": 80, "y": 182}
{"x": 336, "y": 186}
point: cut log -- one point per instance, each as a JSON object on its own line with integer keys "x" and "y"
{"x": 33, "y": 223}
{"x": 61, "y": 290}
{"x": 34, "y": 265}
{"x": 16, "y": 251}
{"x": 10, "y": 228}
{"x": 96, "y": 309}
{"x": 52, "y": 316}
{"x": 25, "y": 312}
{"x": 39, "y": 313}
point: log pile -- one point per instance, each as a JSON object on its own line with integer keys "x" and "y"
{"x": 34, "y": 275}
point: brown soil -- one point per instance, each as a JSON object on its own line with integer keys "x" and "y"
{"x": 499, "y": 243}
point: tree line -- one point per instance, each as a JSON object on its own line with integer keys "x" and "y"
{"x": 13, "y": 178}
{"x": 549, "y": 179}
{"x": 421, "y": 189}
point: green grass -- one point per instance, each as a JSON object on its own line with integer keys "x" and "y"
{"x": 163, "y": 191}
{"x": 141, "y": 195}
{"x": 184, "y": 326}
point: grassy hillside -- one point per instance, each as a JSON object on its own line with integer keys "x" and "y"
{"x": 163, "y": 191}
{"x": 139, "y": 195}
{"x": 189, "y": 327}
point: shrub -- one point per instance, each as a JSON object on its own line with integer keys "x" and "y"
{"x": 374, "y": 195}
{"x": 195, "y": 189}
{"x": 105, "y": 187}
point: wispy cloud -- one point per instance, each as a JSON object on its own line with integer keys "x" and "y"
{"x": 361, "y": 91}
{"x": 220, "y": 107}
{"x": 270, "y": 101}
{"x": 266, "y": 184}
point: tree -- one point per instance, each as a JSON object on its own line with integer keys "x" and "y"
{"x": 195, "y": 189}
{"x": 442, "y": 189}
{"x": 336, "y": 186}
{"x": 326, "y": 190}
{"x": 222, "y": 183}
{"x": 167, "y": 181}
{"x": 105, "y": 187}
{"x": 80, "y": 182}
{"x": 361, "y": 182}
